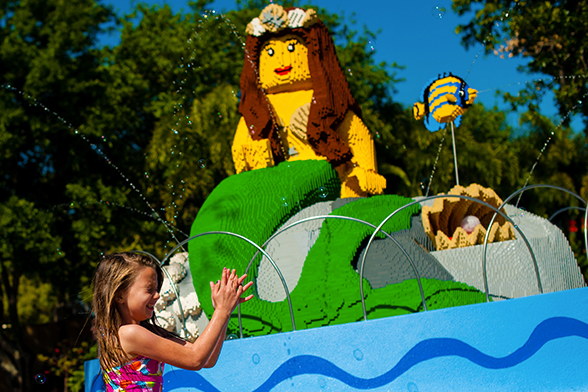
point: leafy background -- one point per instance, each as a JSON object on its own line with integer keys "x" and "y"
{"x": 116, "y": 148}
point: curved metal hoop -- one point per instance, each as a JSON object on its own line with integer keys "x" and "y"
{"x": 277, "y": 269}
{"x": 411, "y": 261}
{"x": 484, "y": 272}
{"x": 438, "y": 197}
{"x": 173, "y": 285}
{"x": 556, "y": 213}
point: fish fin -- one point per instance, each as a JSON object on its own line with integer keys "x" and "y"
{"x": 457, "y": 121}
{"x": 418, "y": 110}
{"x": 432, "y": 125}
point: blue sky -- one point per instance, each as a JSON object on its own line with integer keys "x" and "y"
{"x": 412, "y": 36}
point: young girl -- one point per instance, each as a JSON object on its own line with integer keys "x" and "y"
{"x": 131, "y": 347}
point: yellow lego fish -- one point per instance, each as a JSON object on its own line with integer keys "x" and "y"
{"x": 445, "y": 100}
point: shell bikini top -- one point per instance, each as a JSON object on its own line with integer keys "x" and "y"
{"x": 140, "y": 374}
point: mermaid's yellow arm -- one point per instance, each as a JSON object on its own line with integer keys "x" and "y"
{"x": 360, "y": 176}
{"x": 249, "y": 154}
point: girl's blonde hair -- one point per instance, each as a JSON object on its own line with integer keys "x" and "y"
{"x": 114, "y": 276}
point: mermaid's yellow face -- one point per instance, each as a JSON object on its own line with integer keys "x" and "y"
{"x": 283, "y": 64}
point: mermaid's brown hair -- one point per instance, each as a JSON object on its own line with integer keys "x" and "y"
{"x": 332, "y": 98}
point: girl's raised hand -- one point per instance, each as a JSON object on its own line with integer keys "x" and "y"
{"x": 226, "y": 293}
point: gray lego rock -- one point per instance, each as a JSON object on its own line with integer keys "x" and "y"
{"x": 509, "y": 265}
{"x": 288, "y": 250}
{"x": 386, "y": 263}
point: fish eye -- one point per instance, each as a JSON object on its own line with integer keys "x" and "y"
{"x": 270, "y": 52}
{"x": 461, "y": 93}
{"x": 291, "y": 47}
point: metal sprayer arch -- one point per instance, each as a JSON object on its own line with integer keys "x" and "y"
{"x": 377, "y": 229}
{"x": 484, "y": 272}
{"x": 411, "y": 261}
{"x": 258, "y": 250}
{"x": 438, "y": 197}
{"x": 556, "y": 213}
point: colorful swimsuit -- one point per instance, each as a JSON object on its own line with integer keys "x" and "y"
{"x": 141, "y": 374}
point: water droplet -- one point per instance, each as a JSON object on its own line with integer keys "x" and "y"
{"x": 322, "y": 192}
{"x": 322, "y": 382}
{"x": 255, "y": 359}
{"x": 424, "y": 184}
{"x": 232, "y": 337}
{"x": 358, "y": 354}
{"x": 516, "y": 219}
{"x": 284, "y": 201}
{"x": 412, "y": 387}
{"x": 438, "y": 11}
{"x": 40, "y": 378}
{"x": 201, "y": 163}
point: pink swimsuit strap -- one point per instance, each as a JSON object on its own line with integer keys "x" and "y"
{"x": 141, "y": 374}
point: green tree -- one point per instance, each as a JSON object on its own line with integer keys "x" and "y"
{"x": 552, "y": 155}
{"x": 550, "y": 34}
{"x": 27, "y": 249}
{"x": 50, "y": 78}
{"x": 105, "y": 149}
{"x": 485, "y": 154}
{"x": 194, "y": 103}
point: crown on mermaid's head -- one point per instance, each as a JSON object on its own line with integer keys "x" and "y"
{"x": 274, "y": 18}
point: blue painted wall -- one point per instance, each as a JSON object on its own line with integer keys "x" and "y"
{"x": 537, "y": 343}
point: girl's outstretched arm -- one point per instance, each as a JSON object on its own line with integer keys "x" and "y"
{"x": 136, "y": 340}
{"x": 214, "y": 289}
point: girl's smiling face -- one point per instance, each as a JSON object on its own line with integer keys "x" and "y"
{"x": 137, "y": 303}
{"x": 283, "y": 62}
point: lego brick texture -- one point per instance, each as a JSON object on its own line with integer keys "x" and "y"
{"x": 327, "y": 291}
{"x": 386, "y": 263}
{"x": 252, "y": 204}
{"x": 509, "y": 265}
{"x": 288, "y": 250}
{"x": 442, "y": 220}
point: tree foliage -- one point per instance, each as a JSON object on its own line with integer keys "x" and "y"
{"x": 552, "y": 35}
{"x": 116, "y": 148}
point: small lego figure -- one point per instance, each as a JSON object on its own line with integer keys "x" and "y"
{"x": 445, "y": 99}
